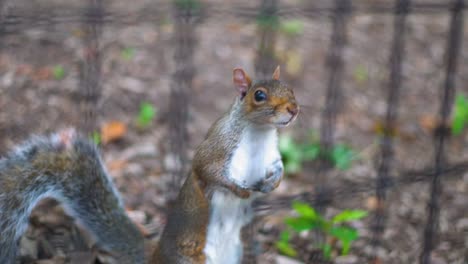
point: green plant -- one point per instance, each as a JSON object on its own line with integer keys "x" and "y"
{"x": 335, "y": 229}
{"x": 146, "y": 114}
{"x": 127, "y": 53}
{"x": 292, "y": 27}
{"x": 268, "y": 20}
{"x": 342, "y": 156}
{"x": 294, "y": 154}
{"x": 96, "y": 137}
{"x": 361, "y": 74}
{"x": 460, "y": 114}
{"x": 58, "y": 72}
{"x": 193, "y": 5}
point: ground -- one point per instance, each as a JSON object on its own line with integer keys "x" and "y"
{"x": 136, "y": 67}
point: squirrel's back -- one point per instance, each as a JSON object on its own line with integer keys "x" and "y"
{"x": 69, "y": 169}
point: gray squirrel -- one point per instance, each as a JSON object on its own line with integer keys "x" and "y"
{"x": 237, "y": 161}
{"x": 68, "y": 168}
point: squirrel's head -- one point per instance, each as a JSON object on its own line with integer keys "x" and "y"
{"x": 266, "y": 102}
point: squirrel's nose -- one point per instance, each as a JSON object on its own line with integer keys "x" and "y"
{"x": 292, "y": 109}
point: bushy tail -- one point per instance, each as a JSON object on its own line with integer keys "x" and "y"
{"x": 68, "y": 168}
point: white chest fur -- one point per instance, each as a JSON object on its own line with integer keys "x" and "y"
{"x": 256, "y": 151}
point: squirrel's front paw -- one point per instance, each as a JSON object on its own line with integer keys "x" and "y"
{"x": 272, "y": 178}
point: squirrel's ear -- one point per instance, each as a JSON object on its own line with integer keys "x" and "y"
{"x": 241, "y": 80}
{"x": 276, "y": 74}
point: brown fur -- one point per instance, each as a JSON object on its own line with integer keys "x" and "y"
{"x": 184, "y": 236}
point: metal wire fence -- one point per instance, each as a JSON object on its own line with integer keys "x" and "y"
{"x": 189, "y": 14}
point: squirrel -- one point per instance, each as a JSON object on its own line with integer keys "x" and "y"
{"x": 238, "y": 161}
{"x": 68, "y": 168}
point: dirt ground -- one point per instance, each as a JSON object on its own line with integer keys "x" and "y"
{"x": 33, "y": 101}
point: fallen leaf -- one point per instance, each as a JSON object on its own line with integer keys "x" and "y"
{"x": 381, "y": 129}
{"x": 44, "y": 73}
{"x": 112, "y": 131}
{"x": 234, "y": 27}
{"x": 372, "y": 203}
{"x": 428, "y": 123}
{"x": 24, "y": 69}
{"x": 116, "y": 165}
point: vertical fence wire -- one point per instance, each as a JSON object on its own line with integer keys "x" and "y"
{"x": 4, "y": 5}
{"x": 3, "y": 14}
{"x": 268, "y": 22}
{"x": 389, "y": 126}
{"x": 454, "y": 43}
{"x": 334, "y": 64}
{"x": 185, "y": 16}
{"x": 90, "y": 67}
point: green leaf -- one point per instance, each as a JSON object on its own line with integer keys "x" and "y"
{"x": 349, "y": 215}
{"x": 127, "y": 53}
{"x": 284, "y": 236}
{"x": 146, "y": 114}
{"x": 460, "y": 114}
{"x": 292, "y": 27}
{"x": 292, "y": 166}
{"x": 291, "y": 154}
{"x": 286, "y": 144}
{"x": 342, "y": 156}
{"x": 327, "y": 250}
{"x": 305, "y": 210}
{"x": 96, "y": 137}
{"x": 58, "y": 72}
{"x": 285, "y": 248}
{"x": 361, "y": 74}
{"x": 193, "y": 5}
{"x": 301, "y": 223}
{"x": 265, "y": 20}
{"x": 458, "y": 123}
{"x": 346, "y": 235}
{"x": 345, "y": 247}
{"x": 311, "y": 151}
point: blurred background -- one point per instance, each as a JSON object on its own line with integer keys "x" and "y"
{"x": 380, "y": 140}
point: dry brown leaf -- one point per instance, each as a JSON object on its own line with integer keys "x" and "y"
{"x": 44, "y": 73}
{"x": 113, "y": 130}
{"x": 24, "y": 69}
{"x": 116, "y": 165}
{"x": 428, "y": 123}
{"x": 234, "y": 27}
{"x": 372, "y": 203}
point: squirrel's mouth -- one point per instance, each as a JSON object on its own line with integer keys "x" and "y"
{"x": 286, "y": 123}
{"x": 282, "y": 124}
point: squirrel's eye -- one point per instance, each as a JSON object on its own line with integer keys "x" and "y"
{"x": 260, "y": 96}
